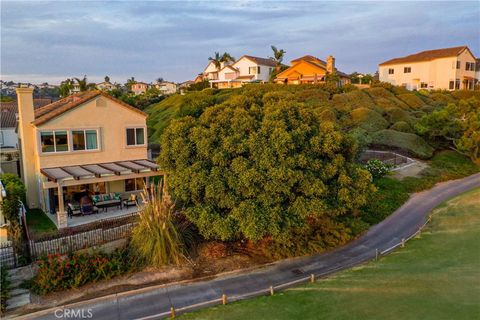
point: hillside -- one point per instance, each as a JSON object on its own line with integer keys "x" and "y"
{"x": 383, "y": 116}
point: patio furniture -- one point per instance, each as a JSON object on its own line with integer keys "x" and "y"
{"x": 131, "y": 201}
{"x": 107, "y": 200}
{"x": 88, "y": 209}
{"x": 76, "y": 210}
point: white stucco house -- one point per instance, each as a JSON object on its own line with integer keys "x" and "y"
{"x": 448, "y": 68}
{"x": 244, "y": 70}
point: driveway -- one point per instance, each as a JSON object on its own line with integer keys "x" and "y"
{"x": 155, "y": 302}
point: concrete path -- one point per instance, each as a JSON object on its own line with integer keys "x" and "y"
{"x": 155, "y": 302}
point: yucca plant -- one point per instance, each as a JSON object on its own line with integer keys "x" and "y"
{"x": 158, "y": 237}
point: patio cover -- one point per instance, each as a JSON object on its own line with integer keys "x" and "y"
{"x": 93, "y": 172}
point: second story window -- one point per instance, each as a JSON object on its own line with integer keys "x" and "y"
{"x": 135, "y": 136}
{"x": 407, "y": 70}
{"x": 254, "y": 70}
{"x": 84, "y": 140}
{"x": 470, "y": 66}
{"x": 54, "y": 141}
{"x": 458, "y": 64}
{"x": 391, "y": 71}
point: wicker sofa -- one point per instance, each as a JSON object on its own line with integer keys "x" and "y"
{"x": 104, "y": 201}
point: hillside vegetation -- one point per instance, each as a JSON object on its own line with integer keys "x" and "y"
{"x": 383, "y": 116}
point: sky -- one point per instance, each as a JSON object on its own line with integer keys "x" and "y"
{"x": 51, "y": 41}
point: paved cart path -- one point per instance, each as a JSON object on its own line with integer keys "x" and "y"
{"x": 155, "y": 302}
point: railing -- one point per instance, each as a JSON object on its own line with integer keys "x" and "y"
{"x": 387, "y": 157}
{"x": 83, "y": 236}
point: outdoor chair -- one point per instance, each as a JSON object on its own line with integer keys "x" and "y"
{"x": 131, "y": 201}
{"x": 88, "y": 209}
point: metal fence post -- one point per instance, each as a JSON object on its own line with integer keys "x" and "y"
{"x": 403, "y": 243}
{"x": 376, "y": 254}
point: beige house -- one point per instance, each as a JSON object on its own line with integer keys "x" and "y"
{"x": 166, "y": 87}
{"x": 449, "y": 68}
{"x": 88, "y": 142}
{"x": 105, "y": 85}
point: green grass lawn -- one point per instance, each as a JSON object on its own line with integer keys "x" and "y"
{"x": 436, "y": 276}
{"x": 38, "y": 222}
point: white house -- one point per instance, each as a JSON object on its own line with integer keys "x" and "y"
{"x": 244, "y": 70}
{"x": 448, "y": 68}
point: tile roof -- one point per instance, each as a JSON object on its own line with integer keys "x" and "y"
{"x": 428, "y": 55}
{"x": 310, "y": 59}
{"x": 59, "y": 107}
{"x": 9, "y": 110}
{"x": 260, "y": 61}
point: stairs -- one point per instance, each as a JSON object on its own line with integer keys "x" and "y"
{"x": 18, "y": 296}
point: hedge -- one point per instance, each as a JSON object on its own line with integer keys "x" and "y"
{"x": 402, "y": 126}
{"x": 411, "y": 100}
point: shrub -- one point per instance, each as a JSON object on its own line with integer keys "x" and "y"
{"x": 412, "y": 100}
{"x": 402, "y": 126}
{"x": 4, "y": 289}
{"x": 408, "y": 142}
{"x": 377, "y": 168}
{"x": 368, "y": 119}
{"x": 56, "y": 272}
{"x": 15, "y": 193}
{"x": 396, "y": 114}
{"x": 214, "y": 250}
{"x": 313, "y": 97}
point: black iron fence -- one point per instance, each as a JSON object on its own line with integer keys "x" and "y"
{"x": 387, "y": 157}
{"x": 82, "y": 237}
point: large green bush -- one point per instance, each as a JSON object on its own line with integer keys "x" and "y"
{"x": 245, "y": 170}
{"x": 407, "y": 142}
{"x": 412, "y": 100}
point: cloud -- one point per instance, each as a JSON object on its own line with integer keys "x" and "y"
{"x": 174, "y": 39}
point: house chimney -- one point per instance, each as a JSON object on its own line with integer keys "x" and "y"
{"x": 330, "y": 64}
{"x": 26, "y": 135}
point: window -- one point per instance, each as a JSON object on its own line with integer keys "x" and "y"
{"x": 54, "y": 141}
{"x": 467, "y": 66}
{"x": 451, "y": 86}
{"x": 84, "y": 140}
{"x": 407, "y": 69}
{"x": 423, "y": 85}
{"x": 458, "y": 64}
{"x": 457, "y": 84}
{"x": 135, "y": 136}
{"x": 134, "y": 184}
{"x": 391, "y": 71}
{"x": 252, "y": 70}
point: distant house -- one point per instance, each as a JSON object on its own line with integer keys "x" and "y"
{"x": 166, "y": 87}
{"x": 140, "y": 87}
{"x": 477, "y": 73}
{"x": 448, "y": 68}
{"x": 245, "y": 70}
{"x": 105, "y": 85}
{"x": 310, "y": 70}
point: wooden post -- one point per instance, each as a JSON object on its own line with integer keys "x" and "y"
{"x": 271, "y": 290}
{"x": 403, "y": 243}
{"x": 312, "y": 278}
{"x": 224, "y": 299}
{"x": 172, "y": 312}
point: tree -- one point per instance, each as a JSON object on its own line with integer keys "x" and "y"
{"x": 216, "y": 59}
{"x": 159, "y": 80}
{"x": 84, "y": 85}
{"x": 106, "y": 79}
{"x": 244, "y": 170}
{"x": 456, "y": 126}
{"x": 66, "y": 87}
{"x": 129, "y": 83}
{"x": 277, "y": 56}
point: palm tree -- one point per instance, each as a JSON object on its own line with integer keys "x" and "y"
{"x": 129, "y": 83}
{"x": 226, "y": 57}
{"x": 159, "y": 80}
{"x": 278, "y": 56}
{"x": 84, "y": 85}
{"x": 216, "y": 59}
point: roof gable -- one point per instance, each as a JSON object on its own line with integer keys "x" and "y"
{"x": 54, "y": 110}
{"x": 309, "y": 65}
{"x": 429, "y": 55}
